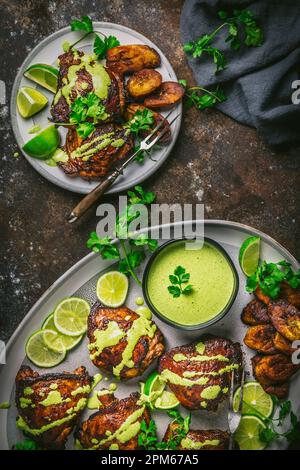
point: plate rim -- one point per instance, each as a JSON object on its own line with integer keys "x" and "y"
{"x": 36, "y": 164}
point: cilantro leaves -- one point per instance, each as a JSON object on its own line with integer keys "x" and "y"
{"x": 27, "y": 444}
{"x": 84, "y": 108}
{"x": 269, "y": 277}
{"x": 142, "y": 120}
{"x": 177, "y": 280}
{"x": 102, "y": 46}
{"x": 202, "y": 98}
{"x": 129, "y": 257}
{"x": 270, "y": 433}
{"x": 85, "y": 24}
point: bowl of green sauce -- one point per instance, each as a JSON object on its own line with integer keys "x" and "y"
{"x": 209, "y": 288}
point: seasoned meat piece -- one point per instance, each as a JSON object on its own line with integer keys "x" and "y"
{"x": 132, "y": 58}
{"x": 49, "y": 405}
{"x": 93, "y": 157}
{"x": 261, "y": 339}
{"x": 279, "y": 390}
{"x": 285, "y": 318}
{"x": 275, "y": 369}
{"x": 80, "y": 74}
{"x": 199, "y": 373}
{"x": 283, "y": 345}
{"x": 158, "y": 118}
{"x": 255, "y": 313}
{"x": 212, "y": 439}
{"x": 115, "y": 426}
{"x": 123, "y": 342}
{"x": 286, "y": 293}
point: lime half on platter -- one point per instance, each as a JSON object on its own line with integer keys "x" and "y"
{"x": 43, "y": 144}
{"x": 43, "y": 74}
{"x": 255, "y": 400}
{"x": 30, "y": 101}
{"x": 249, "y": 255}
{"x": 40, "y": 354}
{"x": 248, "y": 432}
{"x": 54, "y": 342}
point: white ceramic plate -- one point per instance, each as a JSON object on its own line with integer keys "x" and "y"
{"x": 47, "y": 52}
{"x": 81, "y": 280}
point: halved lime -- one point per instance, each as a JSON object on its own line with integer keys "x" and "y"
{"x": 247, "y": 434}
{"x": 112, "y": 288}
{"x": 249, "y": 255}
{"x": 38, "y": 353}
{"x": 30, "y": 101}
{"x": 255, "y": 400}
{"x": 54, "y": 343}
{"x": 43, "y": 74}
{"x": 70, "y": 316}
{"x": 166, "y": 401}
{"x": 43, "y": 144}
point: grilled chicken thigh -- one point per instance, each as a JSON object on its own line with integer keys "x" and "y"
{"x": 123, "y": 342}
{"x": 93, "y": 157}
{"x": 199, "y": 373}
{"x": 49, "y": 405}
{"x": 115, "y": 426}
{"x": 199, "y": 440}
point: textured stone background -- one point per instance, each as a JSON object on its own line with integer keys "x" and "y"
{"x": 216, "y": 160}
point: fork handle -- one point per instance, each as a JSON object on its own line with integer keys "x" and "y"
{"x": 93, "y": 196}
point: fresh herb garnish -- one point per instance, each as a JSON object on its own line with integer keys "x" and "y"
{"x": 142, "y": 120}
{"x": 177, "y": 280}
{"x": 202, "y": 98}
{"x": 85, "y": 24}
{"x": 242, "y": 28}
{"x": 129, "y": 257}
{"x": 27, "y": 444}
{"x": 270, "y": 433}
{"x": 147, "y": 438}
{"x": 84, "y": 108}
{"x": 269, "y": 277}
{"x": 101, "y": 46}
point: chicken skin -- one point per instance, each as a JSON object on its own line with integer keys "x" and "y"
{"x": 261, "y": 339}
{"x": 115, "y": 426}
{"x": 286, "y": 319}
{"x": 255, "y": 313}
{"x": 199, "y": 374}
{"x": 123, "y": 342}
{"x": 199, "y": 440}
{"x": 50, "y": 405}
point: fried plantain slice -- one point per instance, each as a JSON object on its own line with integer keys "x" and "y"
{"x": 286, "y": 293}
{"x": 275, "y": 369}
{"x": 255, "y": 313}
{"x": 143, "y": 83}
{"x": 134, "y": 107}
{"x": 261, "y": 339}
{"x": 279, "y": 390}
{"x": 168, "y": 94}
{"x": 132, "y": 58}
{"x": 283, "y": 345}
{"x": 286, "y": 319}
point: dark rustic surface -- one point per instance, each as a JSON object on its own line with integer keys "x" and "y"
{"x": 215, "y": 161}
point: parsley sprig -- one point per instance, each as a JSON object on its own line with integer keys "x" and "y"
{"x": 142, "y": 121}
{"x": 200, "y": 97}
{"x": 177, "y": 280}
{"x": 27, "y": 444}
{"x": 86, "y": 111}
{"x": 271, "y": 433}
{"x": 101, "y": 46}
{"x": 242, "y": 29}
{"x": 130, "y": 257}
{"x": 269, "y": 277}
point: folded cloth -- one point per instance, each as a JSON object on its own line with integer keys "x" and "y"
{"x": 257, "y": 80}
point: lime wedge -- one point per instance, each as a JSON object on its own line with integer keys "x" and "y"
{"x": 44, "y": 75}
{"x": 154, "y": 384}
{"x": 166, "y": 401}
{"x": 249, "y": 255}
{"x": 255, "y": 400}
{"x": 30, "y": 101}
{"x": 54, "y": 342}
{"x": 112, "y": 288}
{"x": 247, "y": 434}
{"x": 70, "y": 316}
{"x": 38, "y": 353}
{"x": 43, "y": 144}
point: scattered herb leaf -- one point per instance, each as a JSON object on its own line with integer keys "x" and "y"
{"x": 177, "y": 280}
{"x": 101, "y": 46}
{"x": 85, "y": 24}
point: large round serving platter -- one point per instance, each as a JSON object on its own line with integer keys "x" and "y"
{"x": 81, "y": 280}
{"x": 46, "y": 52}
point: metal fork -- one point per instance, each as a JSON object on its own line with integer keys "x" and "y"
{"x": 145, "y": 145}
{"x": 234, "y": 417}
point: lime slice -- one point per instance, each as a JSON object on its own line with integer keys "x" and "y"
{"x": 166, "y": 401}
{"x": 70, "y": 316}
{"x": 255, "y": 400}
{"x": 44, "y": 75}
{"x": 247, "y": 434}
{"x": 30, "y": 101}
{"x": 43, "y": 144}
{"x": 249, "y": 255}
{"x": 38, "y": 353}
{"x": 53, "y": 342}
{"x": 112, "y": 288}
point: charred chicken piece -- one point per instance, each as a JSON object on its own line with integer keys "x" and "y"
{"x": 132, "y": 58}
{"x": 255, "y": 313}
{"x": 275, "y": 369}
{"x": 286, "y": 319}
{"x": 212, "y": 439}
{"x": 94, "y": 157}
{"x": 115, "y": 426}
{"x": 158, "y": 118}
{"x": 199, "y": 373}
{"x": 143, "y": 83}
{"x": 50, "y": 405}
{"x": 261, "y": 339}
{"x": 168, "y": 94}
{"x": 123, "y": 342}
{"x": 283, "y": 345}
